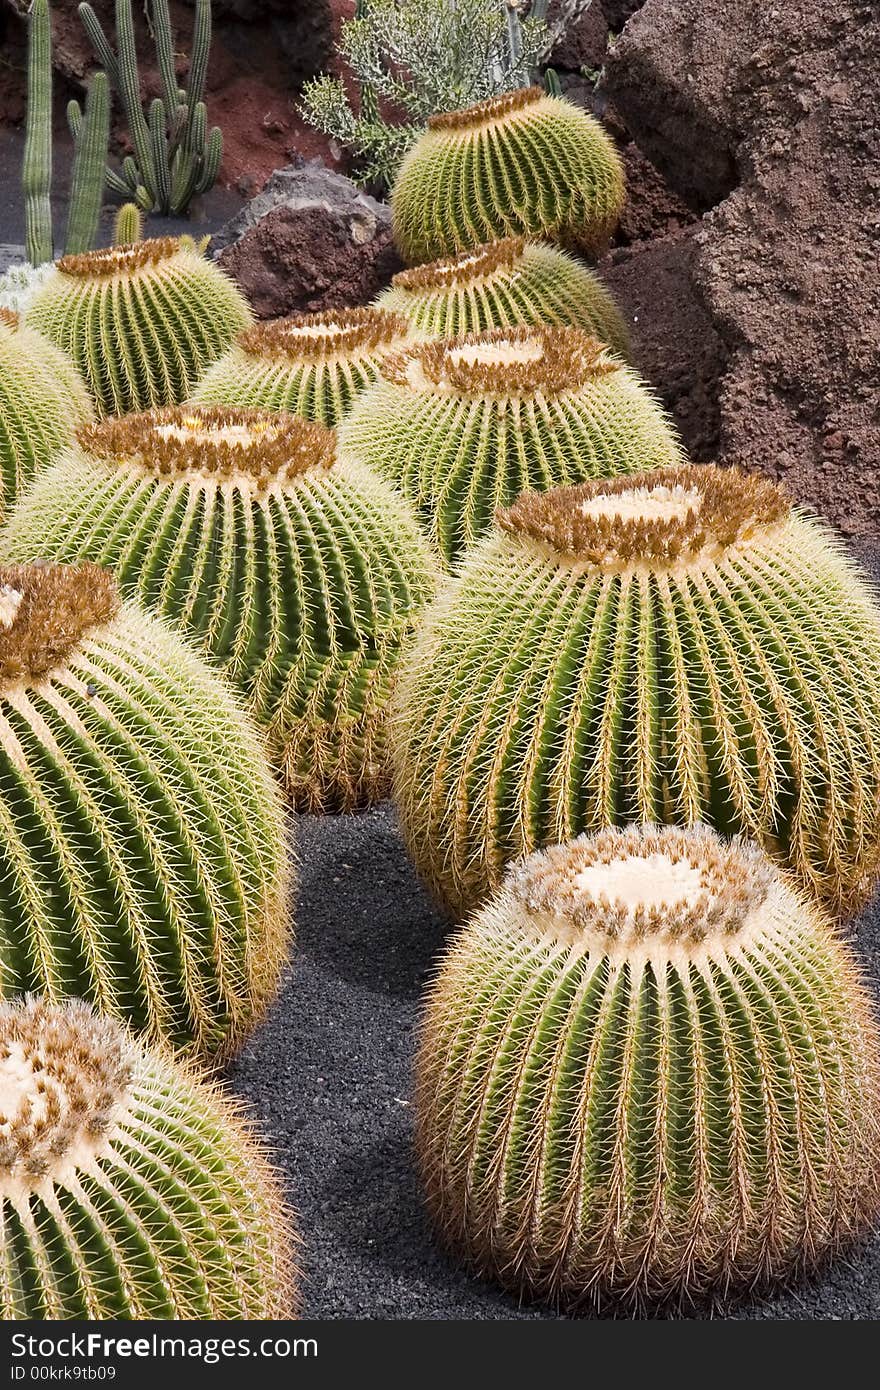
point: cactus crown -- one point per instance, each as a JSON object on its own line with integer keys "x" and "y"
{"x": 484, "y": 112}
{"x": 65, "y": 1074}
{"x": 9, "y": 319}
{"x": 504, "y": 362}
{"x": 120, "y": 260}
{"x": 465, "y": 268}
{"x": 658, "y": 889}
{"x": 215, "y": 441}
{"x": 670, "y": 516}
{"x": 44, "y": 612}
{"x": 322, "y": 337}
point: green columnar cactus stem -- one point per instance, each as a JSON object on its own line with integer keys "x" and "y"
{"x": 504, "y": 284}
{"x": 142, "y": 323}
{"x": 314, "y": 365}
{"x": 89, "y": 161}
{"x": 42, "y": 400}
{"x": 462, "y": 426}
{"x": 298, "y": 575}
{"x": 129, "y": 1187}
{"x": 524, "y": 163}
{"x": 675, "y": 647}
{"x": 143, "y": 863}
{"x": 129, "y": 225}
{"x": 649, "y": 1071}
{"x": 37, "y": 168}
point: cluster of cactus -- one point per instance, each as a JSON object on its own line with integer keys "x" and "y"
{"x": 141, "y": 322}
{"x": 462, "y": 426}
{"x": 299, "y": 575}
{"x": 129, "y": 1188}
{"x": 143, "y": 854}
{"x": 649, "y": 1070}
{"x": 313, "y": 365}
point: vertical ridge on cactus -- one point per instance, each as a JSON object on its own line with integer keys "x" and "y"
{"x": 676, "y": 647}
{"x": 300, "y": 576}
{"x": 129, "y": 1187}
{"x": 520, "y": 164}
{"x": 503, "y": 284}
{"x": 42, "y": 400}
{"x": 143, "y": 856}
{"x": 462, "y": 426}
{"x": 142, "y": 323}
{"x": 313, "y": 365}
{"x": 649, "y": 1071}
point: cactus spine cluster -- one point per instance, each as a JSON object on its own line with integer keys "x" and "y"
{"x": 129, "y": 1188}
{"x": 299, "y": 575}
{"x": 675, "y": 647}
{"x": 504, "y": 284}
{"x": 521, "y": 164}
{"x": 42, "y": 400}
{"x": 313, "y": 365}
{"x": 463, "y": 426}
{"x": 142, "y": 323}
{"x": 649, "y": 1070}
{"x": 143, "y": 862}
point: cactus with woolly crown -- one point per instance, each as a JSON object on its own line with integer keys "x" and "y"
{"x": 504, "y": 284}
{"x": 142, "y": 323}
{"x": 42, "y": 400}
{"x": 649, "y": 1071}
{"x": 676, "y": 647}
{"x": 462, "y": 426}
{"x": 129, "y": 1187}
{"x": 520, "y": 164}
{"x": 298, "y": 575}
{"x": 313, "y": 365}
{"x": 143, "y": 859}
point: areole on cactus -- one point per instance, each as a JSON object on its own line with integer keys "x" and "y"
{"x": 678, "y": 646}
{"x": 129, "y": 1187}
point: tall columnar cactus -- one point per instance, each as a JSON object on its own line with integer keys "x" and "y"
{"x": 42, "y": 400}
{"x": 91, "y": 134}
{"x": 462, "y": 426}
{"x": 175, "y": 157}
{"x": 143, "y": 863}
{"x": 311, "y": 364}
{"x": 298, "y": 575}
{"x": 675, "y": 647}
{"x": 649, "y": 1071}
{"x": 524, "y": 163}
{"x": 142, "y": 323}
{"x": 128, "y": 226}
{"x": 502, "y": 284}
{"x": 129, "y": 1188}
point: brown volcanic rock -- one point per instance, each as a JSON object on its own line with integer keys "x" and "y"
{"x": 788, "y": 263}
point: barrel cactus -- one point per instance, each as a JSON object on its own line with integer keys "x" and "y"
{"x": 142, "y": 323}
{"x": 523, "y": 163}
{"x": 675, "y": 647}
{"x": 297, "y": 574}
{"x": 311, "y": 364}
{"x": 143, "y": 862}
{"x": 649, "y": 1071}
{"x": 502, "y": 284}
{"x": 42, "y": 400}
{"x": 462, "y": 426}
{"x": 129, "y": 1187}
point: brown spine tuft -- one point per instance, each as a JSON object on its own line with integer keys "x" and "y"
{"x": 9, "y": 319}
{"x": 495, "y": 108}
{"x": 120, "y": 260}
{"x": 299, "y": 338}
{"x": 554, "y": 360}
{"x": 464, "y": 268}
{"x": 44, "y": 612}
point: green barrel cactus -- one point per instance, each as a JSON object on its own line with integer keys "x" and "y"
{"x": 298, "y": 575}
{"x": 130, "y": 1188}
{"x": 521, "y": 164}
{"x": 142, "y": 323}
{"x": 463, "y": 426}
{"x": 649, "y": 1071}
{"x": 676, "y": 647}
{"x": 42, "y": 400}
{"x": 504, "y": 284}
{"x": 143, "y": 862}
{"x": 311, "y": 364}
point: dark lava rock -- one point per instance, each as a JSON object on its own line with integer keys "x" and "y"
{"x": 311, "y": 240}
